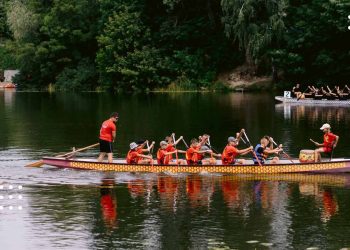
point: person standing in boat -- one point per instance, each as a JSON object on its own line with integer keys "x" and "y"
{"x": 136, "y": 156}
{"x": 262, "y": 151}
{"x": 107, "y": 137}
{"x": 230, "y": 152}
{"x": 164, "y": 155}
{"x": 330, "y": 141}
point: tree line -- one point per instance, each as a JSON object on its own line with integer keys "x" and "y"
{"x": 142, "y": 45}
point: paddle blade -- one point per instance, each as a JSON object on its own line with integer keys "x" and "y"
{"x": 36, "y": 164}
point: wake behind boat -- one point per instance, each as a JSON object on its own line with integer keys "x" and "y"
{"x": 339, "y": 165}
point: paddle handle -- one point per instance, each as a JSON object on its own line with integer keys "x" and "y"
{"x": 289, "y": 158}
{"x": 78, "y": 150}
{"x": 256, "y": 157}
{"x": 41, "y": 162}
{"x": 177, "y": 156}
{"x": 183, "y": 140}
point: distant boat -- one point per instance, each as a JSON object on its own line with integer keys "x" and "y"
{"x": 7, "y": 85}
{"x": 311, "y": 101}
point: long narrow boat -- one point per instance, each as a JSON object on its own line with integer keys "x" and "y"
{"x": 340, "y": 165}
{"x": 311, "y": 101}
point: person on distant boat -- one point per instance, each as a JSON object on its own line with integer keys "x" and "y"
{"x": 231, "y": 152}
{"x": 194, "y": 153}
{"x": 296, "y": 91}
{"x": 107, "y": 137}
{"x": 330, "y": 141}
{"x": 165, "y": 152}
{"x": 171, "y": 148}
{"x": 262, "y": 151}
{"x": 310, "y": 92}
{"x": 136, "y": 156}
{"x": 340, "y": 93}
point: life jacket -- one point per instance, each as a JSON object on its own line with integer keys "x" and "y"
{"x": 228, "y": 155}
{"x": 170, "y": 148}
{"x": 161, "y": 156}
{"x": 260, "y": 155}
{"x": 191, "y": 156}
{"x": 131, "y": 157}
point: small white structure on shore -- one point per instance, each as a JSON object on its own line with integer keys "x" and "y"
{"x": 9, "y": 74}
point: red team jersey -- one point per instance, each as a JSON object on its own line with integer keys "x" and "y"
{"x": 107, "y": 128}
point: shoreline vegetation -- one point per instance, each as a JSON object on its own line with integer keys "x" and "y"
{"x": 174, "y": 45}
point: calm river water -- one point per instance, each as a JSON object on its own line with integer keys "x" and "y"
{"x": 50, "y": 208}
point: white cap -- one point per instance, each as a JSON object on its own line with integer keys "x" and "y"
{"x": 133, "y": 145}
{"x": 324, "y": 126}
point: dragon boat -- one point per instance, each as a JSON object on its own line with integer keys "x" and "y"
{"x": 311, "y": 101}
{"x": 337, "y": 165}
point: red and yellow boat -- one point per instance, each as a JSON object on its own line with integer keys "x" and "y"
{"x": 339, "y": 165}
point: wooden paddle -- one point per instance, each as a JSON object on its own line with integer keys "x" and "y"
{"x": 256, "y": 157}
{"x": 41, "y": 162}
{"x": 183, "y": 140}
{"x": 289, "y": 158}
{"x": 177, "y": 157}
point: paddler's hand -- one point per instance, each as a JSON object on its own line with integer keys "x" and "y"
{"x": 242, "y": 130}
{"x": 280, "y": 146}
{"x": 209, "y": 151}
{"x": 251, "y": 148}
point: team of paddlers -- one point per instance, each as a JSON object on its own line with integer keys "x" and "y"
{"x": 321, "y": 92}
{"x": 200, "y": 151}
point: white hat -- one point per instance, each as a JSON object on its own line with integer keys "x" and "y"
{"x": 133, "y": 145}
{"x": 324, "y": 126}
{"x": 163, "y": 143}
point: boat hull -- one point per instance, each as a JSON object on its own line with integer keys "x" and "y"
{"x": 337, "y": 166}
{"x": 311, "y": 101}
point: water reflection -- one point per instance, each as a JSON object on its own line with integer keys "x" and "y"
{"x": 108, "y": 202}
{"x": 313, "y": 113}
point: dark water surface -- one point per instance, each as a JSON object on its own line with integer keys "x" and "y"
{"x": 50, "y": 208}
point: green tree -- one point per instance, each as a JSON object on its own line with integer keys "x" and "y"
{"x": 317, "y": 42}
{"x": 255, "y": 24}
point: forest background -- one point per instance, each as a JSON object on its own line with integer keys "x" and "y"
{"x": 141, "y": 45}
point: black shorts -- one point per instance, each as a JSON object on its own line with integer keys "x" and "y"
{"x": 106, "y": 146}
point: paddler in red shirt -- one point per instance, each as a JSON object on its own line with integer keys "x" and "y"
{"x": 330, "y": 141}
{"x": 136, "y": 156}
{"x": 194, "y": 154}
{"x": 107, "y": 137}
{"x": 205, "y": 146}
{"x": 231, "y": 152}
{"x": 164, "y": 155}
{"x": 171, "y": 148}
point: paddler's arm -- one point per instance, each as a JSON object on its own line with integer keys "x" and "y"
{"x": 170, "y": 153}
{"x": 273, "y": 151}
{"x": 316, "y": 143}
{"x": 145, "y": 156}
{"x": 181, "y": 151}
{"x": 271, "y": 142}
{"x": 245, "y": 151}
{"x": 239, "y": 135}
{"x": 114, "y": 135}
{"x": 336, "y": 141}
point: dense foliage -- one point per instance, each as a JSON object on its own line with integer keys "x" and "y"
{"x": 146, "y": 44}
